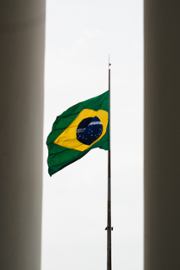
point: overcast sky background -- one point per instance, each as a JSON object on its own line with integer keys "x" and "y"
{"x": 79, "y": 36}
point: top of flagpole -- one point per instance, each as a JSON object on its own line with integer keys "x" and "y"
{"x": 109, "y": 62}
{"x": 109, "y": 72}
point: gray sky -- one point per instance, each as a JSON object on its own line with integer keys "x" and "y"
{"x": 79, "y": 37}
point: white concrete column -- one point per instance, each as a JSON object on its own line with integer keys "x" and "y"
{"x": 162, "y": 135}
{"x": 21, "y": 129}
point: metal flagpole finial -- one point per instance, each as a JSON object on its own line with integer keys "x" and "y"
{"x": 109, "y": 62}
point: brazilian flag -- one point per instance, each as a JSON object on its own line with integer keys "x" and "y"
{"x": 77, "y": 130}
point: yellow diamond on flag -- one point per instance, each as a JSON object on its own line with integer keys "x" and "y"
{"x": 85, "y": 130}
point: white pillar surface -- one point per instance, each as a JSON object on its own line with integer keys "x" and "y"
{"x": 21, "y": 132}
{"x": 162, "y": 134}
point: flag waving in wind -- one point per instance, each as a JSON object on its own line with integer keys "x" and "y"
{"x": 77, "y": 130}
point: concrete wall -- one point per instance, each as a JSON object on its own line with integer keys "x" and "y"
{"x": 21, "y": 129}
{"x": 162, "y": 135}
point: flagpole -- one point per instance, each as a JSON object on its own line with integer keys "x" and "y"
{"x": 109, "y": 228}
